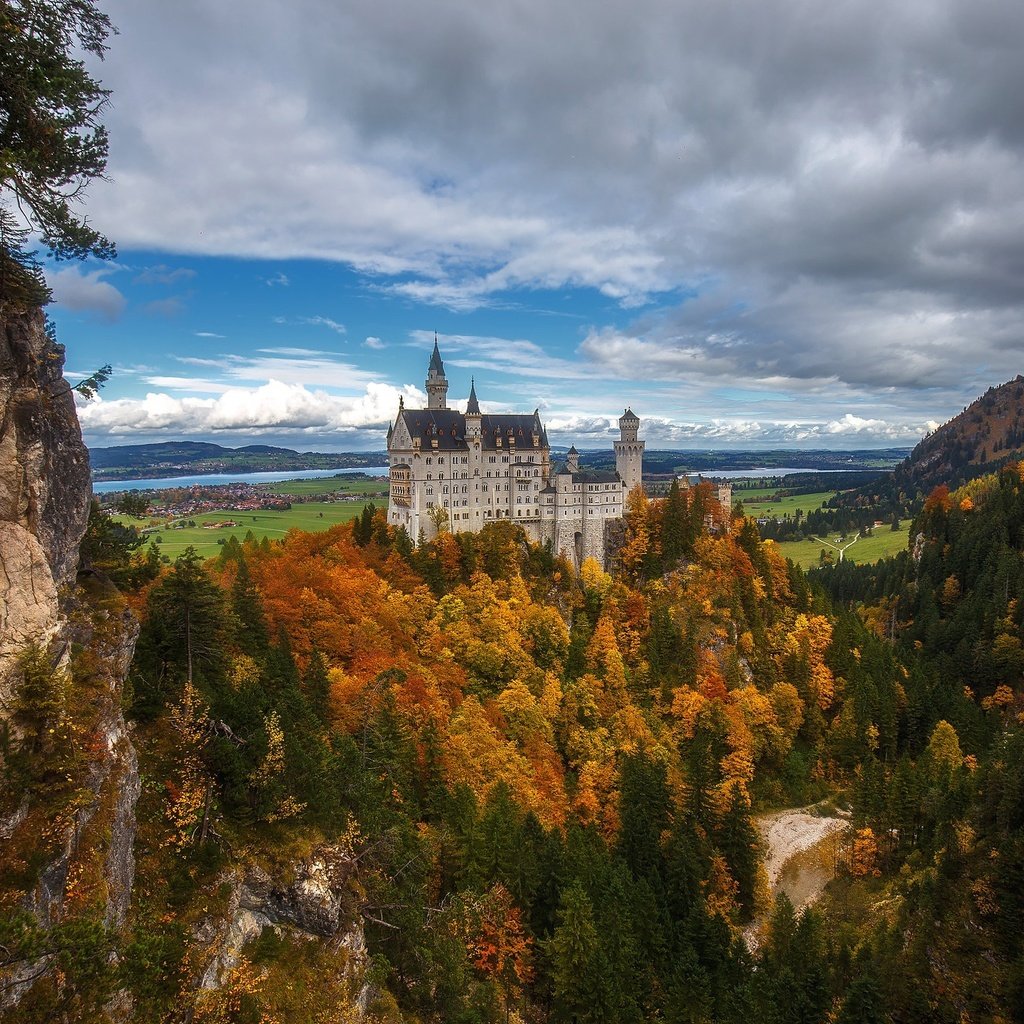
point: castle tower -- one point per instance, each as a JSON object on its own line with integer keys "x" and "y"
{"x": 572, "y": 460}
{"x": 437, "y": 382}
{"x": 473, "y": 418}
{"x": 629, "y": 451}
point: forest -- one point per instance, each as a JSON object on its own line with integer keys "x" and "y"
{"x": 540, "y": 785}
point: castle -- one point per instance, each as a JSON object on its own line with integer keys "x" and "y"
{"x": 464, "y": 470}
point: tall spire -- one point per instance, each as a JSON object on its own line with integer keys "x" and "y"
{"x": 436, "y": 383}
{"x": 435, "y": 360}
{"x": 472, "y": 406}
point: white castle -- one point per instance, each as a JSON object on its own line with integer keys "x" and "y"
{"x": 465, "y": 470}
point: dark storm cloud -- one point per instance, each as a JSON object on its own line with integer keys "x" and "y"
{"x": 840, "y": 184}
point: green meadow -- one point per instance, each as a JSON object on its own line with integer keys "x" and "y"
{"x": 759, "y": 504}
{"x": 882, "y": 543}
{"x": 314, "y": 517}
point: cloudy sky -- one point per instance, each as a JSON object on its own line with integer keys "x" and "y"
{"x": 758, "y": 222}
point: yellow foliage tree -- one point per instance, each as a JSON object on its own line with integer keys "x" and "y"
{"x": 189, "y": 794}
{"x": 944, "y": 751}
{"x": 864, "y": 854}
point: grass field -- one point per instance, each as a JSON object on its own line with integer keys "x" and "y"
{"x": 314, "y": 517}
{"x": 883, "y": 543}
{"x": 759, "y": 505}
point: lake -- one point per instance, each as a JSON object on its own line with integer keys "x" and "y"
{"x": 762, "y": 473}
{"x": 212, "y": 479}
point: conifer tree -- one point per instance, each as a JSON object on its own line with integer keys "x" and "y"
{"x": 579, "y": 968}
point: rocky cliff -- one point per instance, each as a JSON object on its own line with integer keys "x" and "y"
{"x": 44, "y": 489}
{"x": 70, "y": 777}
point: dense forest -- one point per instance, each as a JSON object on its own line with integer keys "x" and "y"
{"x": 539, "y": 786}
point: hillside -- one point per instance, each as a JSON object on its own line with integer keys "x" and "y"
{"x": 987, "y": 434}
{"x": 184, "y": 458}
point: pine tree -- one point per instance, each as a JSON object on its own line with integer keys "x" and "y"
{"x": 863, "y": 1003}
{"x": 579, "y": 968}
{"x": 247, "y": 607}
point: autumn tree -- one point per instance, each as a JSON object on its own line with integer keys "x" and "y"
{"x": 500, "y": 946}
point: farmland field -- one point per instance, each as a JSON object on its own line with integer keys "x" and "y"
{"x": 314, "y": 517}
{"x": 327, "y": 485}
{"x": 759, "y": 504}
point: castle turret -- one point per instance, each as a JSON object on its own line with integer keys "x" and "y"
{"x": 629, "y": 450}
{"x": 437, "y": 382}
{"x": 473, "y": 418}
{"x": 572, "y": 460}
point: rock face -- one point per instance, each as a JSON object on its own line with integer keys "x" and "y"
{"x": 88, "y": 633}
{"x": 28, "y": 599}
{"x": 44, "y": 487}
{"x": 316, "y": 903}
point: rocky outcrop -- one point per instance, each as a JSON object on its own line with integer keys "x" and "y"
{"x": 44, "y": 487}
{"x": 318, "y": 902}
{"x": 29, "y": 611}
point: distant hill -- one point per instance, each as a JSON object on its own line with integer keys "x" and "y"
{"x": 185, "y": 458}
{"x": 988, "y": 433}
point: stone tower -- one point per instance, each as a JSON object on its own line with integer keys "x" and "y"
{"x": 473, "y": 417}
{"x": 629, "y": 451}
{"x": 437, "y": 382}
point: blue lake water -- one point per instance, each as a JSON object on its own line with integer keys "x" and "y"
{"x": 211, "y": 479}
{"x": 760, "y": 474}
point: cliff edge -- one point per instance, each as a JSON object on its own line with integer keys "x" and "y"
{"x": 44, "y": 489}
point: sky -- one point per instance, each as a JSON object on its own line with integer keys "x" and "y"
{"x": 759, "y": 223}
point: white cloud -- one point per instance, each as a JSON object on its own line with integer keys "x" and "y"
{"x": 289, "y": 365}
{"x": 83, "y": 290}
{"x": 313, "y": 321}
{"x": 162, "y": 274}
{"x": 325, "y": 321}
{"x": 275, "y": 407}
{"x": 207, "y": 334}
{"x": 372, "y": 342}
{"x": 847, "y": 431}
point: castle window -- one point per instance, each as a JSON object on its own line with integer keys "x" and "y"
{"x": 430, "y": 490}
{"x": 429, "y": 460}
{"x": 440, "y": 460}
